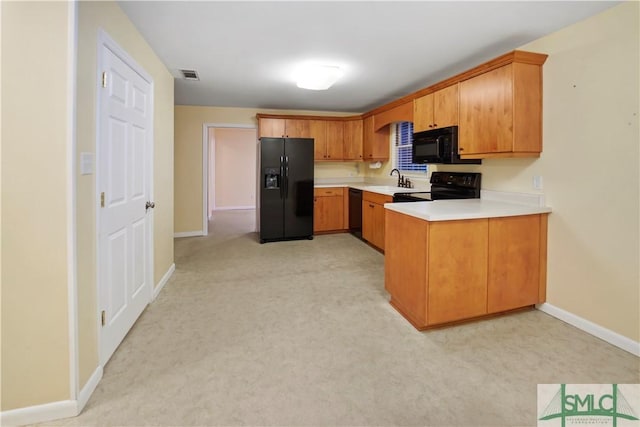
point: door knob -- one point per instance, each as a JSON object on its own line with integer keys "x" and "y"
{"x": 149, "y": 205}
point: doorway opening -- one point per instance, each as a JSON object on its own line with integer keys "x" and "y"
{"x": 229, "y": 169}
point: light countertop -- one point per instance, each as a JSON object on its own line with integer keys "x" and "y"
{"x": 387, "y": 190}
{"x": 448, "y": 210}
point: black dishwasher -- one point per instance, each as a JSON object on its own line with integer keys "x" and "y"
{"x": 355, "y": 212}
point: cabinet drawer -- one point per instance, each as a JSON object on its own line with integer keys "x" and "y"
{"x": 327, "y": 192}
{"x": 380, "y": 199}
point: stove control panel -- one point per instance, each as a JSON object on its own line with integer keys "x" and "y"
{"x": 456, "y": 179}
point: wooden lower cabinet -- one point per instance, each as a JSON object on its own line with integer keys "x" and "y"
{"x": 516, "y": 269}
{"x": 373, "y": 212}
{"x": 447, "y": 271}
{"x": 457, "y": 273}
{"x": 405, "y": 265}
{"x": 328, "y": 209}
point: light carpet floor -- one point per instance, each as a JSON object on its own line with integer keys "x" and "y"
{"x": 301, "y": 333}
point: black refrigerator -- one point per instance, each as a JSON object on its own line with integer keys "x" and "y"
{"x": 286, "y": 189}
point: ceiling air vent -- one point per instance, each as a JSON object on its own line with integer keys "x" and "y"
{"x": 189, "y": 75}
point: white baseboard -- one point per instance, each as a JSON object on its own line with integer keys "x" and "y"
{"x": 88, "y": 389}
{"x": 163, "y": 281}
{"x": 188, "y": 234}
{"x": 234, "y": 208}
{"x": 39, "y": 413}
{"x": 605, "y": 334}
{"x": 54, "y": 410}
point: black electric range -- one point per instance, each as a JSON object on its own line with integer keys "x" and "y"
{"x": 446, "y": 185}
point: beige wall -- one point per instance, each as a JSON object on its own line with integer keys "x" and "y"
{"x": 35, "y": 197}
{"x": 109, "y": 16}
{"x": 234, "y": 171}
{"x": 340, "y": 170}
{"x": 590, "y": 167}
{"x": 189, "y": 121}
{"x": 35, "y": 191}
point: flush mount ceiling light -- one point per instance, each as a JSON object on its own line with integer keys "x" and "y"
{"x": 317, "y": 77}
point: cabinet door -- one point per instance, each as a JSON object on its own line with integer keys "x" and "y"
{"x": 405, "y": 269}
{"x": 318, "y": 131}
{"x": 423, "y": 113}
{"x": 353, "y": 140}
{"x": 373, "y": 218}
{"x": 486, "y": 113}
{"x": 378, "y": 235}
{"x": 334, "y": 139}
{"x": 376, "y": 144}
{"x": 445, "y": 107}
{"x": 457, "y": 282}
{"x": 514, "y": 262}
{"x": 328, "y": 214}
{"x": 298, "y": 128}
{"x": 272, "y": 128}
{"x": 368, "y": 220}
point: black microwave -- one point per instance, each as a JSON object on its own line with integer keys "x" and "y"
{"x": 438, "y": 146}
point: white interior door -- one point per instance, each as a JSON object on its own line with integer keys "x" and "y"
{"x": 124, "y": 181}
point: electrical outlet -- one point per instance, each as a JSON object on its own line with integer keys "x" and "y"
{"x": 537, "y": 182}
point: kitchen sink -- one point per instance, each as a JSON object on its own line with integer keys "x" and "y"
{"x": 390, "y": 189}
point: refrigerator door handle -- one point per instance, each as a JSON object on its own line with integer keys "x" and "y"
{"x": 286, "y": 175}
{"x": 282, "y": 177}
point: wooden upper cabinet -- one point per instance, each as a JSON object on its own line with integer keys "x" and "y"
{"x": 271, "y": 127}
{"x": 332, "y": 146}
{"x": 436, "y": 110}
{"x": 376, "y": 143}
{"x": 501, "y": 113}
{"x": 352, "y": 140}
{"x": 318, "y": 131}
{"x": 298, "y": 128}
{"x": 400, "y": 113}
{"x": 284, "y": 128}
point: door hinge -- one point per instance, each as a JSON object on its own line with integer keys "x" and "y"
{"x": 102, "y": 199}
{"x": 104, "y": 79}
{"x": 103, "y": 317}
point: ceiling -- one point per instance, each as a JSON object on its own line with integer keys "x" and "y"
{"x": 246, "y": 52}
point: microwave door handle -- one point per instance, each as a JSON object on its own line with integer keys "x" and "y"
{"x": 438, "y": 153}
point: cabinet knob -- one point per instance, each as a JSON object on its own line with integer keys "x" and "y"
{"x": 435, "y": 125}
{"x": 430, "y": 126}
{"x": 460, "y": 149}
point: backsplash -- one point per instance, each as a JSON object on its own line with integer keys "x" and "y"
{"x": 339, "y": 170}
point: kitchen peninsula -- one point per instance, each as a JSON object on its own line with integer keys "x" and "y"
{"x": 451, "y": 260}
